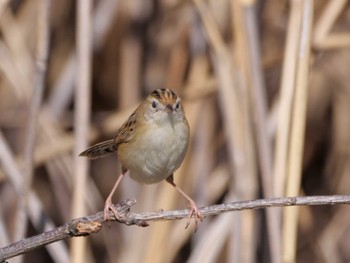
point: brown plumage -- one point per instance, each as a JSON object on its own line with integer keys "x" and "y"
{"x": 124, "y": 135}
{"x": 151, "y": 145}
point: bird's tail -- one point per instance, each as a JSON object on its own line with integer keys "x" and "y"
{"x": 101, "y": 149}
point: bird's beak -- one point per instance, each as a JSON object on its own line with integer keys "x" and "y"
{"x": 169, "y": 107}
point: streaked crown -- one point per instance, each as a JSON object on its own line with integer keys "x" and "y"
{"x": 165, "y": 96}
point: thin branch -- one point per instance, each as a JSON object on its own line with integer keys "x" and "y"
{"x": 84, "y": 226}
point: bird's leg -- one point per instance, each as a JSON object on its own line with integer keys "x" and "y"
{"x": 194, "y": 211}
{"x": 108, "y": 203}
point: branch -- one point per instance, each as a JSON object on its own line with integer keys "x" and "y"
{"x": 84, "y": 226}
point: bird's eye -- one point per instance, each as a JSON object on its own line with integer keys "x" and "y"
{"x": 177, "y": 105}
{"x": 154, "y": 104}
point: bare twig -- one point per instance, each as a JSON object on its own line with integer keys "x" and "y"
{"x": 84, "y": 226}
{"x": 77, "y": 227}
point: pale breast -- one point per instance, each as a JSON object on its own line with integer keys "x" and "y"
{"x": 156, "y": 154}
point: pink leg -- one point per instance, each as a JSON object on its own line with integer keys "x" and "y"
{"x": 194, "y": 211}
{"x": 108, "y": 203}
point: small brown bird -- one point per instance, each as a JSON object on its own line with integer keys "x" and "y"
{"x": 151, "y": 145}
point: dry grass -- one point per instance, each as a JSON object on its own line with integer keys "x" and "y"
{"x": 265, "y": 87}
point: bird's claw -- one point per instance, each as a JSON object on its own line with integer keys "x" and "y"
{"x": 109, "y": 206}
{"x": 194, "y": 212}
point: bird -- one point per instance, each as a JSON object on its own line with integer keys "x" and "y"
{"x": 150, "y": 145}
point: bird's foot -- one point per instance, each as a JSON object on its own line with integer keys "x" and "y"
{"x": 196, "y": 214}
{"x": 109, "y": 206}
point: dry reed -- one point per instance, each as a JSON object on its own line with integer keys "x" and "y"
{"x": 265, "y": 86}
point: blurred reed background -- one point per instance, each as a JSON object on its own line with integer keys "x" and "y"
{"x": 253, "y": 76}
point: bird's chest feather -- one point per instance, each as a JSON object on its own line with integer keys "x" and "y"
{"x": 157, "y": 153}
